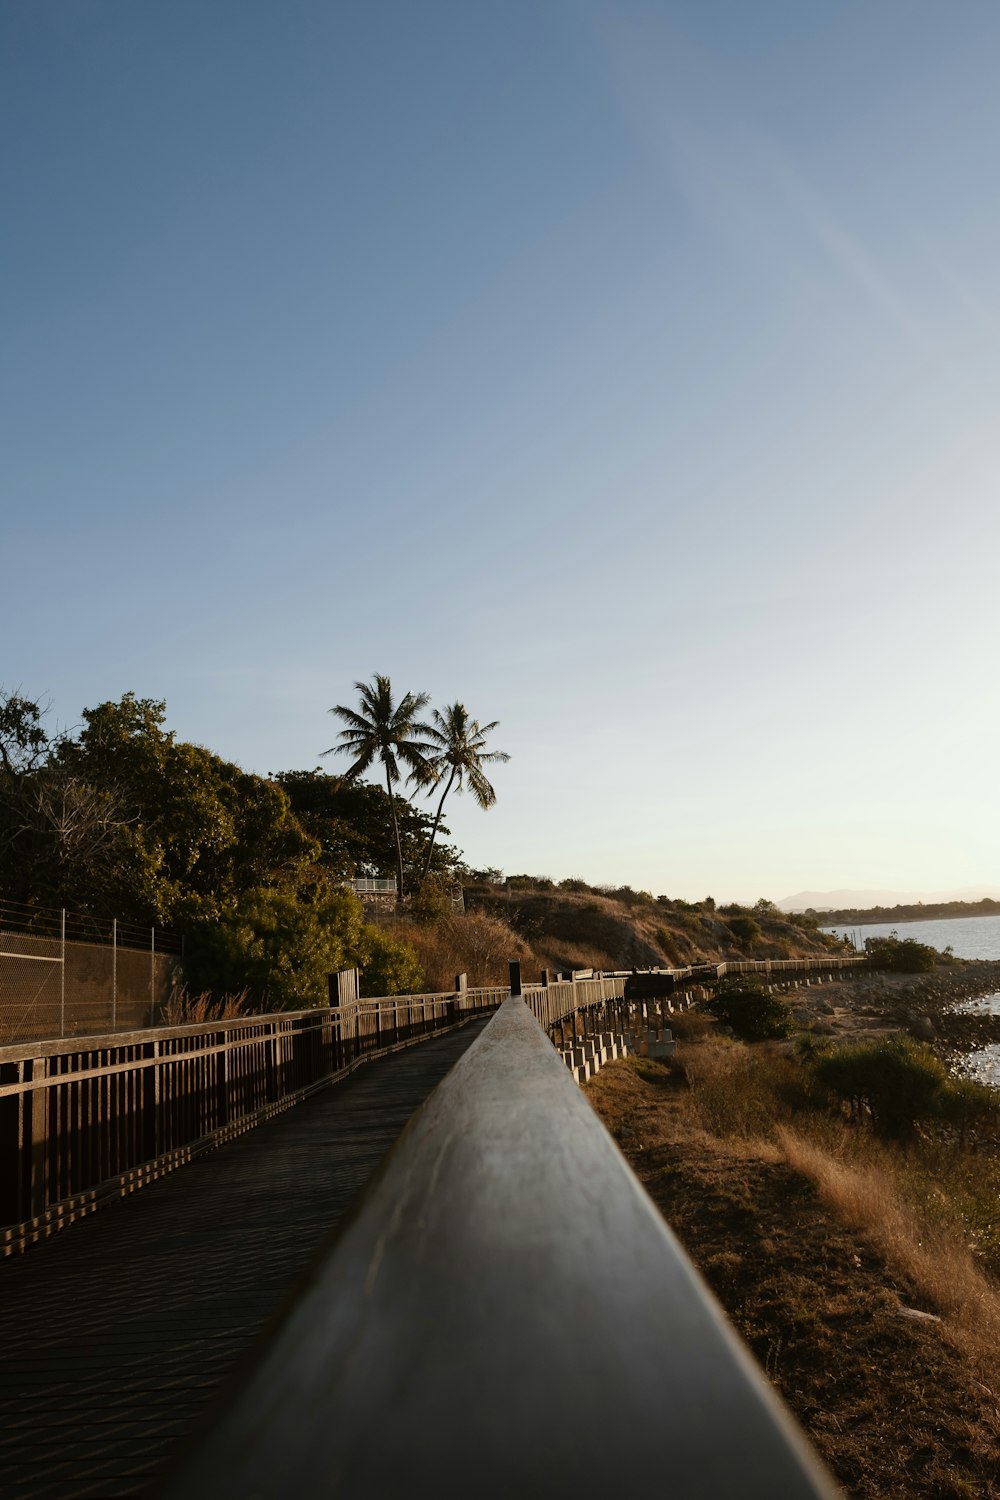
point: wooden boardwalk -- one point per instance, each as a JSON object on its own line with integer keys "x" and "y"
{"x": 119, "y": 1331}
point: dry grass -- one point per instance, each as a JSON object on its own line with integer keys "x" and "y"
{"x": 813, "y": 1250}
{"x": 475, "y": 944}
{"x": 184, "y": 1009}
{"x": 927, "y": 1207}
{"x": 868, "y": 1197}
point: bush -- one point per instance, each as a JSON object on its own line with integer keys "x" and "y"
{"x": 899, "y": 1081}
{"x": 388, "y": 966}
{"x": 745, "y": 929}
{"x": 280, "y": 947}
{"x": 900, "y": 955}
{"x": 754, "y": 1014}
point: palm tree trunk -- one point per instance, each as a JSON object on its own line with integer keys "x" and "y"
{"x": 395, "y": 829}
{"x": 430, "y": 847}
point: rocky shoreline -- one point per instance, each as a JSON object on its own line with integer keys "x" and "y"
{"x": 927, "y": 1006}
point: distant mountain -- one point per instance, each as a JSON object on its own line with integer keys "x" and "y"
{"x": 862, "y": 900}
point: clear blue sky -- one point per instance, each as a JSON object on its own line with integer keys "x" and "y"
{"x": 627, "y": 371}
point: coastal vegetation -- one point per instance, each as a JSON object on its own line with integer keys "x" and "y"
{"x": 917, "y": 911}
{"x": 847, "y": 1222}
{"x": 902, "y": 955}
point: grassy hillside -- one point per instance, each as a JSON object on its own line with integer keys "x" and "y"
{"x": 573, "y": 927}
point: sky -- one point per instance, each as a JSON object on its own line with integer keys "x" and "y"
{"x": 628, "y": 372}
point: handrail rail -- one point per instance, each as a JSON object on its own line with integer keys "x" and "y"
{"x": 85, "y": 1120}
{"x": 506, "y": 1313}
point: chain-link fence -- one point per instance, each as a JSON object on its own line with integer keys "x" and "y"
{"x": 63, "y": 974}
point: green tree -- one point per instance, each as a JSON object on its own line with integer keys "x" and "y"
{"x": 24, "y": 743}
{"x": 352, "y": 823}
{"x": 390, "y": 733}
{"x": 197, "y": 830}
{"x": 459, "y": 752}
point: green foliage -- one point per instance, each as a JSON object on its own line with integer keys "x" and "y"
{"x": 192, "y": 831}
{"x": 754, "y": 1014}
{"x": 969, "y": 1105}
{"x": 899, "y": 1082}
{"x": 391, "y": 734}
{"x": 123, "y": 819}
{"x": 389, "y": 967}
{"x": 352, "y": 824}
{"x": 456, "y": 756}
{"x": 431, "y": 902}
{"x": 24, "y": 742}
{"x": 530, "y": 883}
{"x": 745, "y": 930}
{"x": 900, "y": 955}
{"x": 281, "y": 947}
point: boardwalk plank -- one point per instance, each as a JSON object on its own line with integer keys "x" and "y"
{"x": 119, "y": 1331}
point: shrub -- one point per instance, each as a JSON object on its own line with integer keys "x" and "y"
{"x": 754, "y": 1014}
{"x": 899, "y": 1081}
{"x": 745, "y": 929}
{"x": 389, "y": 966}
{"x": 900, "y": 955}
{"x": 969, "y": 1105}
{"x": 279, "y": 947}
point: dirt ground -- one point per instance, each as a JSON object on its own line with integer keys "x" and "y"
{"x": 890, "y": 1405}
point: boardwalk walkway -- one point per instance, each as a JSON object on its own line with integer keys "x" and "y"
{"x": 119, "y": 1331}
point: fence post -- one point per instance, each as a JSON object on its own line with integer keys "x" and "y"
{"x": 152, "y": 976}
{"x": 515, "y": 977}
{"x": 114, "y": 973}
{"x": 62, "y": 971}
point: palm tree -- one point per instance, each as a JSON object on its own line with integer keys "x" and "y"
{"x": 458, "y": 747}
{"x": 390, "y": 733}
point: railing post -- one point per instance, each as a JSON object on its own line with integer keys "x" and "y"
{"x": 62, "y": 972}
{"x": 515, "y": 977}
{"x": 152, "y": 976}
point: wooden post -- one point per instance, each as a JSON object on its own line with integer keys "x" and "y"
{"x": 38, "y": 1141}
{"x": 515, "y": 978}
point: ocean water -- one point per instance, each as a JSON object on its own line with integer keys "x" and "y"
{"x": 969, "y": 937}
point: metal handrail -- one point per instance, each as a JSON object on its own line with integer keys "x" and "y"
{"x": 506, "y": 1313}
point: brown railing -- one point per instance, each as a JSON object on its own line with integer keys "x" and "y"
{"x": 87, "y": 1120}
{"x": 557, "y": 1000}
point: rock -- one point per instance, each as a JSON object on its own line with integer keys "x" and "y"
{"x": 914, "y": 1315}
{"x": 922, "y": 1027}
{"x": 625, "y": 1134}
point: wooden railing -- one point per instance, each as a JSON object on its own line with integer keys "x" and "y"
{"x": 505, "y": 1314}
{"x": 87, "y": 1120}
{"x": 555, "y": 1001}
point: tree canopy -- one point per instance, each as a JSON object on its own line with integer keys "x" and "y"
{"x": 123, "y": 819}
